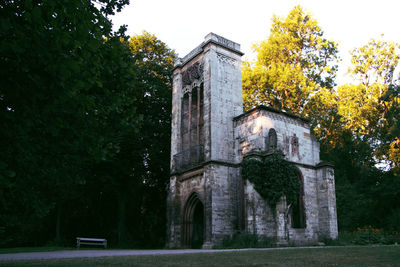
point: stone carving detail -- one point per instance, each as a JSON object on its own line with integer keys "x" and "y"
{"x": 226, "y": 42}
{"x": 286, "y": 144}
{"x": 295, "y": 145}
{"x": 227, "y": 59}
{"x": 193, "y": 73}
{"x": 271, "y": 140}
{"x": 186, "y": 90}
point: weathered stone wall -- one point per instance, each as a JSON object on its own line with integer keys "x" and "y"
{"x": 310, "y": 232}
{"x": 219, "y": 184}
{"x": 223, "y": 84}
{"x": 231, "y": 204}
{"x": 259, "y": 218}
{"x": 327, "y": 202}
{"x": 225, "y": 201}
{"x": 300, "y": 147}
{"x": 294, "y": 137}
{"x": 222, "y": 81}
{"x": 178, "y": 91}
{"x": 173, "y": 214}
{"x": 180, "y": 188}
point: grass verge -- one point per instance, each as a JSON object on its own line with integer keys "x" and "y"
{"x": 337, "y": 256}
{"x": 32, "y": 249}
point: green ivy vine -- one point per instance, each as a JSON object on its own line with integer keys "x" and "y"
{"x": 272, "y": 177}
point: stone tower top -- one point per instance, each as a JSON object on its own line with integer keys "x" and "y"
{"x": 206, "y": 96}
{"x": 210, "y": 38}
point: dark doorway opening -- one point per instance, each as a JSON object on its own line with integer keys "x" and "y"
{"x": 193, "y": 223}
{"x": 298, "y": 212}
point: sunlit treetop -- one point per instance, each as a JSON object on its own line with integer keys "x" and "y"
{"x": 294, "y": 63}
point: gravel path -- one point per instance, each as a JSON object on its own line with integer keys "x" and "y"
{"x": 93, "y": 253}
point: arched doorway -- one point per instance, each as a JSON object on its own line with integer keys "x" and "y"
{"x": 193, "y": 222}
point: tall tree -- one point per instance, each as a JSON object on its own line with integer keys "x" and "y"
{"x": 52, "y": 70}
{"x": 366, "y": 133}
{"x": 357, "y": 124}
{"x": 136, "y": 176}
{"x": 292, "y": 65}
{"x": 368, "y": 108}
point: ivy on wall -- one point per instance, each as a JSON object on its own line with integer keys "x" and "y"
{"x": 273, "y": 177}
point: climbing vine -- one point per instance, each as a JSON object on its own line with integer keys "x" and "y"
{"x": 273, "y": 177}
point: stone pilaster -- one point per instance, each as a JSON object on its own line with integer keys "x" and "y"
{"x": 326, "y": 201}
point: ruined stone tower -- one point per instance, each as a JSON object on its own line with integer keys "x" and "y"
{"x": 208, "y": 200}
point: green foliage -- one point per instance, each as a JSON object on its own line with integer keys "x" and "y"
{"x": 85, "y": 117}
{"x": 369, "y": 107}
{"x": 357, "y": 124}
{"x": 364, "y": 236}
{"x": 361, "y": 131}
{"x": 292, "y": 65}
{"x": 273, "y": 177}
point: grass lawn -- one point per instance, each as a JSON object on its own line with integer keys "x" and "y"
{"x": 32, "y": 249}
{"x": 337, "y": 256}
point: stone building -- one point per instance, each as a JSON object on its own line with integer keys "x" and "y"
{"x": 208, "y": 199}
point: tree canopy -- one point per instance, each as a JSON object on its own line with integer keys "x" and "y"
{"x": 85, "y": 118}
{"x": 292, "y": 65}
{"x": 75, "y": 100}
{"x": 357, "y": 124}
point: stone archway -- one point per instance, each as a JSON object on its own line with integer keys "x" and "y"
{"x": 193, "y": 222}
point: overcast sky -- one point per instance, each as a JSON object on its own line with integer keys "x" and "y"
{"x": 183, "y": 24}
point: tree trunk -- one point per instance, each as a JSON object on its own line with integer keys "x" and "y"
{"x": 58, "y": 224}
{"x": 121, "y": 219}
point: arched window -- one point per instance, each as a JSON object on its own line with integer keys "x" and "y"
{"x": 192, "y": 134}
{"x": 297, "y": 210}
{"x": 185, "y": 122}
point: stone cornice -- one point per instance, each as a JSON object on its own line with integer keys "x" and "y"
{"x": 211, "y": 38}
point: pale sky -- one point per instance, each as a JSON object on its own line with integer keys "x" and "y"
{"x": 183, "y": 24}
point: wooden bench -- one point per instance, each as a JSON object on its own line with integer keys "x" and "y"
{"x": 91, "y": 241}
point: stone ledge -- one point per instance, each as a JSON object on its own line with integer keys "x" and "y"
{"x": 323, "y": 164}
{"x": 202, "y": 165}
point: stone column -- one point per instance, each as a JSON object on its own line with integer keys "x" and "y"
{"x": 326, "y": 201}
{"x": 190, "y": 121}
{"x": 281, "y": 221}
{"x": 173, "y": 214}
{"x": 208, "y": 176}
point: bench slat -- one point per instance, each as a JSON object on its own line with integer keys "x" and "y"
{"x": 91, "y": 241}
{"x": 96, "y": 244}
